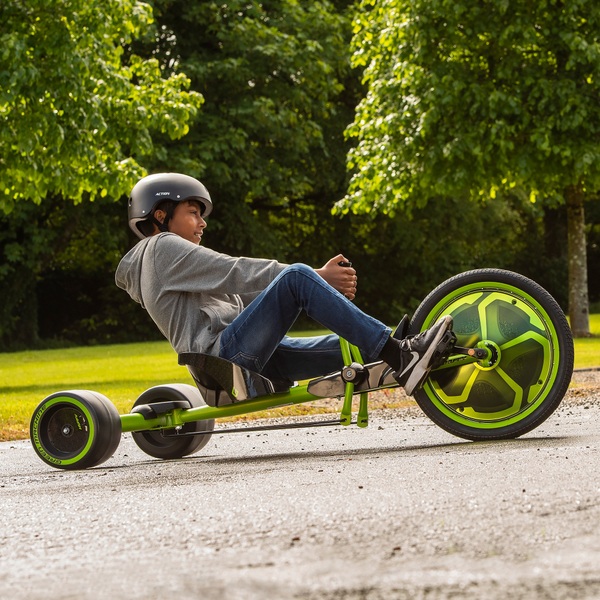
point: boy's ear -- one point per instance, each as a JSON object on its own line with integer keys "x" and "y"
{"x": 160, "y": 215}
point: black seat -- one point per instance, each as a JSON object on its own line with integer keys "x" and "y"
{"x": 223, "y": 382}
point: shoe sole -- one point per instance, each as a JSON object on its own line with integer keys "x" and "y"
{"x": 419, "y": 373}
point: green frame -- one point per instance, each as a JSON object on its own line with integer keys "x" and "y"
{"x": 297, "y": 395}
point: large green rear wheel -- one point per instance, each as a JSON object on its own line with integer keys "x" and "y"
{"x": 529, "y": 355}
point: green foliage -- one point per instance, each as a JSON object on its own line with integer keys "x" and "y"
{"x": 271, "y": 133}
{"x": 270, "y": 138}
{"x": 23, "y": 242}
{"x": 402, "y": 259}
{"x": 268, "y": 143}
{"x": 77, "y": 113}
{"x": 472, "y": 97}
{"x": 58, "y": 263}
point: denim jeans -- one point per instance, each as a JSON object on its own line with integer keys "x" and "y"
{"x": 257, "y": 338}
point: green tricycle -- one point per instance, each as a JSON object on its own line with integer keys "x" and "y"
{"x": 509, "y": 365}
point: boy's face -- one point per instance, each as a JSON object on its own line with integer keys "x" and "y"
{"x": 187, "y": 221}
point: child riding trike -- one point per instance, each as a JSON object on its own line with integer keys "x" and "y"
{"x": 507, "y": 368}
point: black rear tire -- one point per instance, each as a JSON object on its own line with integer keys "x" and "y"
{"x": 164, "y": 443}
{"x": 531, "y": 362}
{"x": 75, "y": 429}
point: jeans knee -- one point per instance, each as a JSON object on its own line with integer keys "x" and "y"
{"x": 298, "y": 268}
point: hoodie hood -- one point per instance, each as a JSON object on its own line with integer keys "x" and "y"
{"x": 128, "y": 273}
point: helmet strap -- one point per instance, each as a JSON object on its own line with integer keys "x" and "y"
{"x": 164, "y": 226}
{"x": 168, "y": 209}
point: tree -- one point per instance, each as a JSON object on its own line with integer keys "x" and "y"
{"x": 78, "y": 118}
{"x": 77, "y": 114}
{"x": 269, "y": 144}
{"x": 271, "y": 133}
{"x": 472, "y": 97}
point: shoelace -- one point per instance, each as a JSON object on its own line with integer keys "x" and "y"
{"x": 406, "y": 343}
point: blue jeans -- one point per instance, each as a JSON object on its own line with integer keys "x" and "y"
{"x": 257, "y": 338}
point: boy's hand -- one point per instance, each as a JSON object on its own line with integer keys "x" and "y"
{"x": 343, "y": 279}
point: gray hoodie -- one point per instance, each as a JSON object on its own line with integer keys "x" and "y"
{"x": 191, "y": 292}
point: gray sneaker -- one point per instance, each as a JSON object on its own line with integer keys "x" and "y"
{"x": 420, "y": 352}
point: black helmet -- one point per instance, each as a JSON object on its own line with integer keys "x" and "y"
{"x": 152, "y": 190}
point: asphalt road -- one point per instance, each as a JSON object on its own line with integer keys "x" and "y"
{"x": 400, "y": 510}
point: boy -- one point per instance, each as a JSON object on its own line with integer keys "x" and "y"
{"x": 242, "y": 308}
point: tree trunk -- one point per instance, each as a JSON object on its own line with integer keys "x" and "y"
{"x": 578, "y": 284}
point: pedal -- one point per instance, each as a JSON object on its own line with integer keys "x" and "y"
{"x": 478, "y": 353}
{"x": 444, "y": 349}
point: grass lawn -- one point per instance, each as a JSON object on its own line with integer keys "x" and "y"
{"x": 123, "y": 372}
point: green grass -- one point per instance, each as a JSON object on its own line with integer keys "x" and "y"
{"x": 123, "y": 372}
{"x": 587, "y": 350}
{"x": 120, "y": 372}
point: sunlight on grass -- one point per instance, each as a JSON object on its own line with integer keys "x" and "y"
{"x": 587, "y": 350}
{"x": 120, "y": 372}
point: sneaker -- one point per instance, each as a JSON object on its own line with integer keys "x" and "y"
{"x": 420, "y": 352}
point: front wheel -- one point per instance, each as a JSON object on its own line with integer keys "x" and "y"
{"x": 530, "y": 355}
{"x": 75, "y": 429}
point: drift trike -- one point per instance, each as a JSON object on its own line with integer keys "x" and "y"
{"x": 509, "y": 366}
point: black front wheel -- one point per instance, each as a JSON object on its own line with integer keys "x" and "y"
{"x": 75, "y": 429}
{"x": 529, "y": 355}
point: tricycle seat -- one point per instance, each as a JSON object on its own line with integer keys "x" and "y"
{"x": 222, "y": 382}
